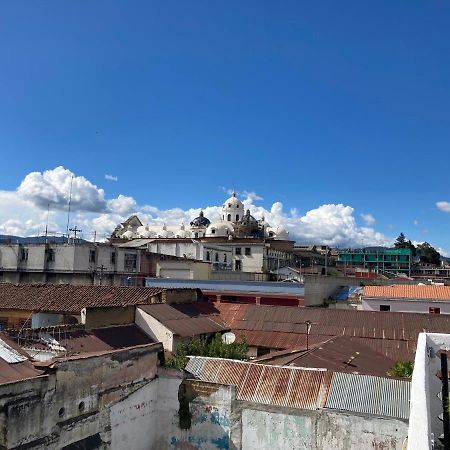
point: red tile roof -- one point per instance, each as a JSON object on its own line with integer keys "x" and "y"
{"x": 408, "y": 291}
{"x": 71, "y": 299}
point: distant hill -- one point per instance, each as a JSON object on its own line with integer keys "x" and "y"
{"x": 9, "y": 239}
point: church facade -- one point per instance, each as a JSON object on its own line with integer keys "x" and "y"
{"x": 237, "y": 241}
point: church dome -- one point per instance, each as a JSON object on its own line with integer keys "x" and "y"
{"x": 128, "y": 234}
{"x": 164, "y": 233}
{"x": 277, "y": 233}
{"x": 200, "y": 221}
{"x": 219, "y": 229}
{"x": 182, "y": 233}
{"x": 232, "y": 209}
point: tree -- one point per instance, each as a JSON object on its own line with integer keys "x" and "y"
{"x": 401, "y": 369}
{"x": 428, "y": 254}
{"x": 401, "y": 242}
{"x": 215, "y": 348}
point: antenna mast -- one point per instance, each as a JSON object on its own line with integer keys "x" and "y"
{"x": 46, "y": 225}
{"x": 68, "y": 211}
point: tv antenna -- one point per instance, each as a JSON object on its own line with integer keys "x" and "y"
{"x": 68, "y": 210}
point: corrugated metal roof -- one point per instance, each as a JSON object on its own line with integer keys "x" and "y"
{"x": 72, "y": 299}
{"x": 408, "y": 291}
{"x": 185, "y": 320}
{"x": 340, "y": 353}
{"x": 271, "y": 385}
{"x": 303, "y": 388}
{"x": 281, "y": 327}
{"x": 18, "y": 370}
{"x": 296, "y": 289}
{"x": 10, "y": 355}
{"x": 368, "y": 394}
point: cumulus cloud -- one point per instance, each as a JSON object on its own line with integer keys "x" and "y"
{"x": 368, "y": 219}
{"x": 111, "y": 177}
{"x": 443, "y": 206}
{"x": 24, "y": 212}
{"x": 55, "y": 186}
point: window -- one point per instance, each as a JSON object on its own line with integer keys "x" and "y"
{"x": 434, "y": 310}
{"x": 50, "y": 254}
{"x": 213, "y": 231}
{"x": 113, "y": 257}
{"x": 130, "y": 261}
{"x": 24, "y": 254}
{"x": 196, "y": 235}
{"x": 238, "y": 251}
{"x": 224, "y": 257}
{"x": 3, "y": 323}
{"x": 385, "y": 308}
{"x": 208, "y": 256}
{"x": 237, "y": 265}
{"x": 92, "y": 256}
{"x": 217, "y": 257}
{"x": 248, "y": 251}
{"x": 229, "y": 205}
{"x": 229, "y": 217}
{"x": 237, "y": 217}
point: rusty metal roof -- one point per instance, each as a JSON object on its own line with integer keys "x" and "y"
{"x": 77, "y": 340}
{"x": 186, "y": 319}
{"x": 408, "y": 291}
{"x": 368, "y": 394}
{"x": 281, "y": 327}
{"x": 271, "y": 385}
{"x": 303, "y": 388}
{"x": 21, "y": 369}
{"x": 71, "y": 299}
{"x": 340, "y": 353}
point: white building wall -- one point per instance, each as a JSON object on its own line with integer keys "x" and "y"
{"x": 154, "y": 329}
{"x": 9, "y": 256}
{"x": 411, "y": 306}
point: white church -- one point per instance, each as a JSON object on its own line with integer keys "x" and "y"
{"x": 237, "y": 241}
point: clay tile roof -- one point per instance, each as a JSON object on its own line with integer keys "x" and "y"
{"x": 71, "y": 299}
{"x": 408, "y": 291}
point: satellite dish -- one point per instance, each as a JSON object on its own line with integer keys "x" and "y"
{"x": 228, "y": 338}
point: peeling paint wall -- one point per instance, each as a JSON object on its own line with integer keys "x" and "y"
{"x": 320, "y": 430}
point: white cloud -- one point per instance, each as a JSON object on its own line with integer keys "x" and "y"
{"x": 416, "y": 222}
{"x": 111, "y": 177}
{"x": 24, "y": 212}
{"x": 54, "y": 186}
{"x": 368, "y": 219}
{"x": 443, "y": 206}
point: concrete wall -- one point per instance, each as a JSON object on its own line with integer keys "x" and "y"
{"x": 180, "y": 296}
{"x": 412, "y": 306}
{"x": 103, "y": 317}
{"x": 424, "y": 424}
{"x": 183, "y": 270}
{"x": 319, "y": 288}
{"x": 73, "y": 404}
{"x": 155, "y": 329}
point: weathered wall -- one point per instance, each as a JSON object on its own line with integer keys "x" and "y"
{"x": 319, "y": 288}
{"x": 319, "y": 430}
{"x": 180, "y": 295}
{"x": 206, "y": 419}
{"x": 72, "y": 405}
{"x": 102, "y": 317}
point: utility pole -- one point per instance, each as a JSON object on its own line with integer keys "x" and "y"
{"x": 75, "y": 231}
{"x": 102, "y": 268}
{"x": 68, "y": 209}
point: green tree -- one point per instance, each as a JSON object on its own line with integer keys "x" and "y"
{"x": 401, "y": 242}
{"x": 401, "y": 369}
{"x": 428, "y": 254}
{"x": 215, "y": 348}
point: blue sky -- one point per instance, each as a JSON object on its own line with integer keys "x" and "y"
{"x": 303, "y": 103}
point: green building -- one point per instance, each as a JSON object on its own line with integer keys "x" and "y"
{"x": 378, "y": 260}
